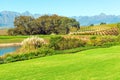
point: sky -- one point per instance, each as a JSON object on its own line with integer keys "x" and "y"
{"x": 63, "y": 7}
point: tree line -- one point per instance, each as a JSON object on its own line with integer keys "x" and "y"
{"x": 46, "y": 24}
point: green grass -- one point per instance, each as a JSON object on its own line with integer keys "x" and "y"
{"x": 14, "y": 39}
{"x": 95, "y": 64}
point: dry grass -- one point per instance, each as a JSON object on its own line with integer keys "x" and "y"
{"x": 3, "y": 32}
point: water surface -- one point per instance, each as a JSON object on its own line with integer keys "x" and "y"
{"x": 8, "y": 49}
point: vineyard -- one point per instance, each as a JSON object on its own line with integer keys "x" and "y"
{"x": 109, "y": 29}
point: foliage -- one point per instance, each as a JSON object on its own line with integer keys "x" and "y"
{"x": 102, "y": 23}
{"x": 61, "y": 43}
{"x": 91, "y": 24}
{"x": 102, "y": 41}
{"x": 118, "y": 26}
{"x": 26, "y": 25}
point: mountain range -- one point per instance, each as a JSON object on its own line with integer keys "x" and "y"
{"x": 97, "y": 19}
{"x": 7, "y": 18}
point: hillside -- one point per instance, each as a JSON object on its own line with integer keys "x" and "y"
{"x": 97, "y": 27}
{"x": 97, "y": 19}
{"x": 7, "y": 18}
{"x": 95, "y": 64}
{"x": 105, "y": 29}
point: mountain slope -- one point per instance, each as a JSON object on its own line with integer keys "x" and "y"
{"x": 95, "y": 64}
{"x": 97, "y": 19}
{"x": 7, "y": 18}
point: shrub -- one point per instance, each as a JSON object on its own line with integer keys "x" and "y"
{"x": 46, "y": 51}
{"x": 94, "y": 41}
{"x": 100, "y": 41}
{"x": 9, "y": 59}
{"x": 54, "y": 41}
{"x": 1, "y": 60}
{"x": 60, "y": 43}
{"x": 33, "y": 42}
{"x": 118, "y": 38}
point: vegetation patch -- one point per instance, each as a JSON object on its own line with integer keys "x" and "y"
{"x": 35, "y": 47}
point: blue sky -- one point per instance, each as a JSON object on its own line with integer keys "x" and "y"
{"x": 63, "y": 7}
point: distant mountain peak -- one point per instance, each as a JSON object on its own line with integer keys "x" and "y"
{"x": 102, "y": 14}
{"x": 7, "y": 18}
{"x": 26, "y": 13}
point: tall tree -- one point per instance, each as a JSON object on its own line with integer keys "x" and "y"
{"x": 26, "y": 25}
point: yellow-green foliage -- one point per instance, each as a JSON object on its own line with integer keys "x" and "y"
{"x": 100, "y": 41}
{"x": 61, "y": 43}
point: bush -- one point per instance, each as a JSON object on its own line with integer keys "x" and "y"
{"x": 33, "y": 42}
{"x": 100, "y": 41}
{"x": 94, "y": 42}
{"x": 46, "y": 51}
{"x": 1, "y": 60}
{"x": 60, "y": 43}
{"x": 118, "y": 38}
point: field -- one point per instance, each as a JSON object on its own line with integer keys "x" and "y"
{"x": 11, "y": 39}
{"x": 14, "y": 39}
{"x": 97, "y": 27}
{"x": 17, "y": 39}
{"x": 106, "y": 29}
{"x": 3, "y": 32}
{"x": 95, "y": 64}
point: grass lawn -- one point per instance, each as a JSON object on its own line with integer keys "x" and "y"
{"x": 94, "y": 64}
{"x": 20, "y": 38}
{"x": 14, "y": 39}
{"x": 11, "y": 39}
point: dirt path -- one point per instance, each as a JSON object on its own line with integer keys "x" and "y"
{"x": 10, "y": 44}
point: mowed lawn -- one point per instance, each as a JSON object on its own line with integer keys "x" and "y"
{"x": 94, "y": 64}
{"x": 20, "y": 38}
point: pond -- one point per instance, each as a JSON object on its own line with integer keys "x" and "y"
{"x": 5, "y": 50}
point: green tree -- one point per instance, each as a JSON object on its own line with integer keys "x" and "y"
{"x": 21, "y": 24}
{"x": 26, "y": 25}
{"x": 102, "y": 23}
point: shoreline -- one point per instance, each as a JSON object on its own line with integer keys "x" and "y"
{"x": 9, "y": 44}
